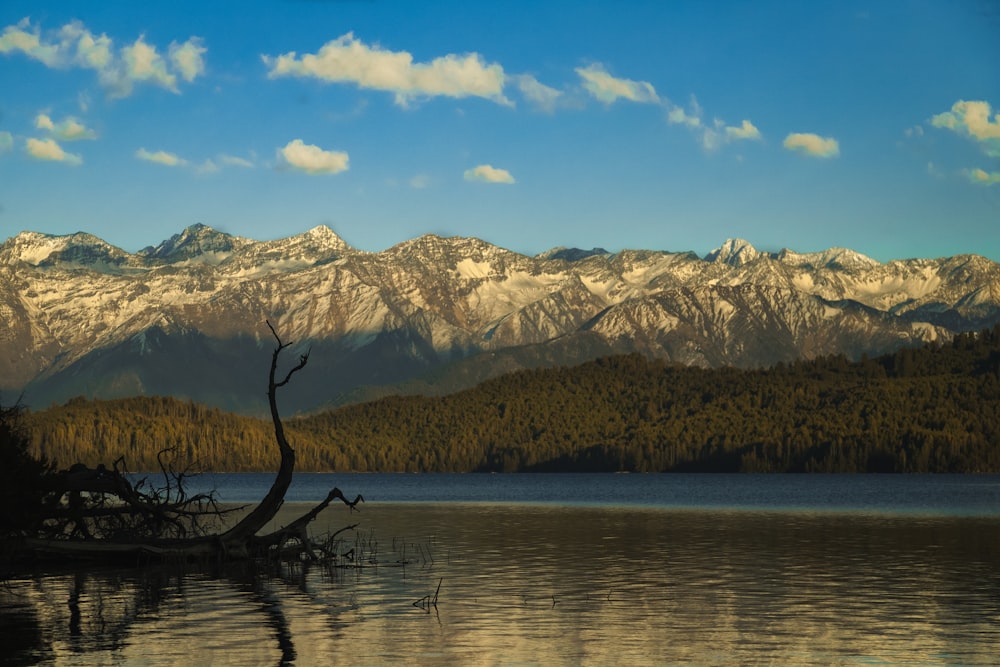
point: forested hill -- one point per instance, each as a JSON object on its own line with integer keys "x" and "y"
{"x": 934, "y": 409}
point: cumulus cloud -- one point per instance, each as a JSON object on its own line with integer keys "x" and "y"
{"x": 188, "y": 58}
{"x": 144, "y": 63}
{"x": 974, "y": 120}
{"x": 312, "y": 159}
{"x": 18, "y": 38}
{"x": 49, "y": 150}
{"x": 746, "y": 131}
{"x": 607, "y": 88}
{"x": 75, "y": 46}
{"x": 711, "y": 135}
{"x": 812, "y": 145}
{"x": 982, "y": 177}
{"x": 6, "y": 142}
{"x": 160, "y": 157}
{"x": 486, "y": 173}
{"x": 717, "y": 134}
{"x": 542, "y": 96}
{"x": 678, "y": 116}
{"x": 80, "y": 47}
{"x": 70, "y": 129}
{"x": 349, "y": 60}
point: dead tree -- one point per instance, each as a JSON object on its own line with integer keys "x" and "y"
{"x": 100, "y": 512}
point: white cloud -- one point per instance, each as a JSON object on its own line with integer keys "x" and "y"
{"x": 69, "y": 129}
{"x": 712, "y": 138}
{"x": 313, "y": 159}
{"x": 714, "y": 135}
{"x": 206, "y": 166}
{"x": 143, "y": 63}
{"x": 746, "y": 131}
{"x": 975, "y": 120}
{"x": 608, "y": 88}
{"x": 542, "y": 96}
{"x": 6, "y": 142}
{"x": 188, "y": 58}
{"x": 678, "y": 116}
{"x": 49, "y": 150}
{"x": 971, "y": 117}
{"x": 79, "y": 46}
{"x": 982, "y": 177}
{"x": 812, "y": 144}
{"x": 485, "y": 173}
{"x": 74, "y": 46}
{"x": 349, "y": 60}
{"x": 420, "y": 181}
{"x": 17, "y": 38}
{"x": 160, "y": 157}
{"x": 234, "y": 161}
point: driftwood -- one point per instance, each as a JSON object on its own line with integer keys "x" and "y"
{"x": 100, "y": 513}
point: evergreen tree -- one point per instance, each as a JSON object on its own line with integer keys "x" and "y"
{"x": 22, "y": 476}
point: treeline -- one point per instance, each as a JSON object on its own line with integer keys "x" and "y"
{"x": 933, "y": 409}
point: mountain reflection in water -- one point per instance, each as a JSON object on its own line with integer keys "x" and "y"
{"x": 550, "y": 585}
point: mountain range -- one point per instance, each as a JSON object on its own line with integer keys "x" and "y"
{"x": 187, "y": 318}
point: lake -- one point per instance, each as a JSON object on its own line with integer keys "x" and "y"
{"x": 563, "y": 570}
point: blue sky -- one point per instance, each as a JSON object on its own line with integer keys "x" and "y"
{"x": 660, "y": 125}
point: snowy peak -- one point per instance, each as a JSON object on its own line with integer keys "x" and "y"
{"x": 198, "y": 242}
{"x": 85, "y": 318}
{"x": 319, "y": 245}
{"x": 323, "y": 236}
{"x": 31, "y": 247}
{"x": 70, "y": 251}
{"x": 734, "y": 252}
{"x": 432, "y": 250}
{"x": 833, "y": 258}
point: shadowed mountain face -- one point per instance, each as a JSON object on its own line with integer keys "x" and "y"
{"x": 433, "y": 314}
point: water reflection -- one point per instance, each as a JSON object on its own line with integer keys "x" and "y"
{"x": 550, "y": 585}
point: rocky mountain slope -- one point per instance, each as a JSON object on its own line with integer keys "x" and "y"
{"x": 187, "y": 317}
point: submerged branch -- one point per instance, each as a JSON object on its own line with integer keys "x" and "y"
{"x": 298, "y": 529}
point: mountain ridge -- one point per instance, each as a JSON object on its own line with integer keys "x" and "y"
{"x": 77, "y": 308}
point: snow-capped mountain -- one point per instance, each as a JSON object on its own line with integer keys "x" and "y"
{"x": 187, "y": 317}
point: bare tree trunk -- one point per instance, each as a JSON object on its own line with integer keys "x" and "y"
{"x": 240, "y": 541}
{"x": 269, "y": 506}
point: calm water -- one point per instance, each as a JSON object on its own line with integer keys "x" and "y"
{"x": 566, "y": 570}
